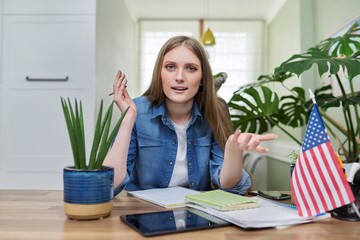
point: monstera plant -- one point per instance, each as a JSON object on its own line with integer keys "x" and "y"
{"x": 257, "y": 108}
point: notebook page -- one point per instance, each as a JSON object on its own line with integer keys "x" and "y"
{"x": 267, "y": 215}
{"x": 172, "y": 197}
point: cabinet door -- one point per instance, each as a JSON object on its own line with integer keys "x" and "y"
{"x": 48, "y": 52}
{"x": 44, "y": 58}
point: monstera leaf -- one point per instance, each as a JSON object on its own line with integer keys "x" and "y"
{"x": 254, "y": 110}
{"x": 293, "y": 109}
{"x": 345, "y": 44}
{"x": 300, "y": 63}
{"x": 279, "y": 77}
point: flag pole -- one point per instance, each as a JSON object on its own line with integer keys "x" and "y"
{"x": 355, "y": 209}
{"x": 312, "y": 96}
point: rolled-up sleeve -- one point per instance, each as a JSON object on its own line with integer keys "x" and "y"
{"x": 119, "y": 188}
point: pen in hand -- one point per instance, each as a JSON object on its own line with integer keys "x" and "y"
{"x": 112, "y": 93}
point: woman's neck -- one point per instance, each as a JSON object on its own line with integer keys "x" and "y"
{"x": 179, "y": 113}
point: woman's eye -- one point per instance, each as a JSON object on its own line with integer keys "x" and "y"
{"x": 191, "y": 68}
{"x": 170, "y": 67}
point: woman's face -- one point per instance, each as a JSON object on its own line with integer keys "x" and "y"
{"x": 181, "y": 75}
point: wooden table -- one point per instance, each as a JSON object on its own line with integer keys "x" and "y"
{"x": 36, "y": 214}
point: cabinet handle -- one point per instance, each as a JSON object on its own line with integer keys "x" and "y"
{"x": 47, "y": 79}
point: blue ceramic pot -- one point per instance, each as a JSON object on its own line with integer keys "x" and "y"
{"x": 88, "y": 186}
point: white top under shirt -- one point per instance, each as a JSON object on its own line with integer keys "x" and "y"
{"x": 180, "y": 173}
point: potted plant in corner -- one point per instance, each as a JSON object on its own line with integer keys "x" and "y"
{"x": 293, "y": 157}
{"x": 257, "y": 108}
{"x": 88, "y": 186}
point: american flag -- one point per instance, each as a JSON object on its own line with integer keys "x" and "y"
{"x": 318, "y": 183}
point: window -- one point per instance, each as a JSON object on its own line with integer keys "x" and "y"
{"x": 238, "y": 50}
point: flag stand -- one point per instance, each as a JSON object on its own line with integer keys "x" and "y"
{"x": 350, "y": 212}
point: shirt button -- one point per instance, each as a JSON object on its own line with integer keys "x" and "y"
{"x": 192, "y": 184}
{"x": 189, "y": 142}
{"x": 190, "y": 164}
{"x": 171, "y": 163}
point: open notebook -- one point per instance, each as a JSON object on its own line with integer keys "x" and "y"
{"x": 172, "y": 197}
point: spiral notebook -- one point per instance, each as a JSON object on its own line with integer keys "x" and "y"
{"x": 222, "y": 200}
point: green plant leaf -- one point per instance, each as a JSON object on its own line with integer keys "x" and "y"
{"x": 279, "y": 77}
{"x": 79, "y": 128}
{"x": 103, "y": 146}
{"x": 105, "y": 149}
{"x": 71, "y": 132}
{"x": 293, "y": 111}
{"x": 300, "y": 63}
{"x": 345, "y": 44}
{"x": 102, "y": 141}
{"x": 254, "y": 111}
{"x": 97, "y": 137}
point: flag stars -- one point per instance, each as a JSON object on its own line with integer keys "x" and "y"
{"x": 315, "y": 132}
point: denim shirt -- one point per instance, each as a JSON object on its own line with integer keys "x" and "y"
{"x": 153, "y": 147}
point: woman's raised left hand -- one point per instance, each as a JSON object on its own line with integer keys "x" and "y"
{"x": 249, "y": 141}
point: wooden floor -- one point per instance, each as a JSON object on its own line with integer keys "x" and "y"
{"x": 35, "y": 214}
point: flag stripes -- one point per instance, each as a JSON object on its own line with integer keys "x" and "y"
{"x": 318, "y": 182}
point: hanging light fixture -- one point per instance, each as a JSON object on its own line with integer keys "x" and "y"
{"x": 208, "y": 38}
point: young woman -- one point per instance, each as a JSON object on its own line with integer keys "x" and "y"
{"x": 178, "y": 133}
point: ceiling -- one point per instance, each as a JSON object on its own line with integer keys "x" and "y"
{"x": 204, "y": 9}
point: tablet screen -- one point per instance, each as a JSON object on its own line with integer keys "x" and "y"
{"x": 172, "y": 221}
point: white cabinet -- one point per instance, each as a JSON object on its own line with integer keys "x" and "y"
{"x": 48, "y": 51}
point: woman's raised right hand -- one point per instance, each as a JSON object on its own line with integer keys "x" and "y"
{"x": 121, "y": 95}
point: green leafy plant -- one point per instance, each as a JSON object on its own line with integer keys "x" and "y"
{"x": 293, "y": 157}
{"x": 103, "y": 137}
{"x": 257, "y": 108}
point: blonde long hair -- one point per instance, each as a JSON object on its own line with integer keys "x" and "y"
{"x": 211, "y": 106}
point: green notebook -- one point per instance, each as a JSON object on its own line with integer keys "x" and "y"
{"x": 222, "y": 200}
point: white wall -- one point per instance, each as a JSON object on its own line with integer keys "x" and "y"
{"x": 284, "y": 39}
{"x": 115, "y": 48}
{"x": 332, "y": 15}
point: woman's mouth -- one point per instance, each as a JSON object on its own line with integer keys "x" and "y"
{"x": 181, "y": 89}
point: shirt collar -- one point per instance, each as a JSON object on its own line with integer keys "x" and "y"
{"x": 161, "y": 111}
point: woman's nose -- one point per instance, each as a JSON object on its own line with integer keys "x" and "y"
{"x": 180, "y": 75}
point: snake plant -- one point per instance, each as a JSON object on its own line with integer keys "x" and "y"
{"x": 257, "y": 108}
{"x": 103, "y": 137}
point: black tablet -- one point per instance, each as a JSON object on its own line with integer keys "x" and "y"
{"x": 172, "y": 221}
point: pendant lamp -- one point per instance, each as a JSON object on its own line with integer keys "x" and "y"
{"x": 208, "y": 38}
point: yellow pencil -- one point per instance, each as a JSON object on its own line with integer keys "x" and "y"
{"x": 341, "y": 164}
